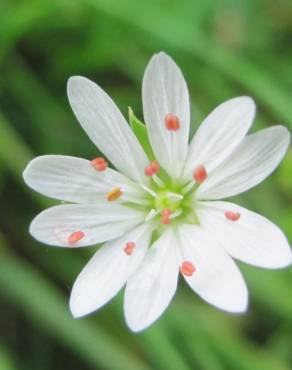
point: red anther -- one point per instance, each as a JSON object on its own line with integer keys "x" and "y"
{"x": 165, "y": 216}
{"x": 75, "y": 237}
{"x": 155, "y": 166}
{"x": 232, "y": 216}
{"x": 148, "y": 171}
{"x": 187, "y": 268}
{"x": 200, "y": 174}
{"x": 172, "y": 122}
{"x": 166, "y": 212}
{"x": 99, "y": 163}
{"x": 152, "y": 168}
{"x": 129, "y": 248}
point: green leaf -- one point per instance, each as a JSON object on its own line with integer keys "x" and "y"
{"x": 140, "y": 131}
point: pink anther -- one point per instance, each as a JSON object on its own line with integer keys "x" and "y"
{"x": 187, "y": 268}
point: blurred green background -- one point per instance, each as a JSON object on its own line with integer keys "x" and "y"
{"x": 225, "y": 48}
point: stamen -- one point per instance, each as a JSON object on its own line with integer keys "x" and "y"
{"x": 188, "y": 187}
{"x": 152, "y": 168}
{"x": 165, "y": 216}
{"x": 232, "y": 216}
{"x": 114, "y": 194}
{"x": 175, "y": 214}
{"x": 187, "y": 268}
{"x": 129, "y": 248}
{"x": 200, "y": 174}
{"x": 151, "y": 215}
{"x": 172, "y": 122}
{"x": 141, "y": 201}
{"x": 158, "y": 181}
{"x": 75, "y": 237}
{"x": 175, "y": 196}
{"x": 99, "y": 163}
{"x": 151, "y": 192}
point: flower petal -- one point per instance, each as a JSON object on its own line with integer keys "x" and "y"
{"x": 164, "y": 92}
{"x": 107, "y": 271}
{"x": 219, "y": 134}
{"x": 98, "y": 222}
{"x": 252, "y": 161}
{"x": 252, "y": 238}
{"x": 74, "y": 179}
{"x": 216, "y": 278}
{"x": 150, "y": 290}
{"x": 106, "y": 127}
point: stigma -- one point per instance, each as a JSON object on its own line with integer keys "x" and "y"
{"x": 187, "y": 268}
{"x": 129, "y": 248}
{"x": 75, "y": 237}
{"x": 200, "y": 174}
{"x": 152, "y": 168}
{"x": 172, "y": 122}
{"x": 232, "y": 216}
{"x": 99, "y": 164}
{"x": 114, "y": 194}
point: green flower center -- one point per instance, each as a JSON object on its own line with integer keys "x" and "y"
{"x": 167, "y": 199}
{"x": 174, "y": 200}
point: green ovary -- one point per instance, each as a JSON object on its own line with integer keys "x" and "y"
{"x": 181, "y": 206}
{"x": 164, "y": 201}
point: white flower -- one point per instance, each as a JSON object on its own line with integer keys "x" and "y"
{"x": 157, "y": 222}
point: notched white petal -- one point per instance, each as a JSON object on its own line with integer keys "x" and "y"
{"x": 166, "y": 112}
{"x": 250, "y": 238}
{"x": 98, "y": 223}
{"x": 75, "y": 180}
{"x": 107, "y": 271}
{"x": 219, "y": 134}
{"x": 216, "y": 277}
{"x": 150, "y": 290}
{"x": 255, "y": 158}
{"x": 106, "y": 127}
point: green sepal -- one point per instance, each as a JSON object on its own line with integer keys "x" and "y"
{"x": 140, "y": 131}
